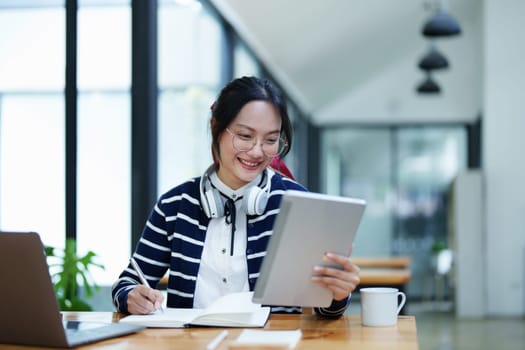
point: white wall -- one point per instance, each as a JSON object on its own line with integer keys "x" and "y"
{"x": 503, "y": 155}
{"x": 467, "y": 241}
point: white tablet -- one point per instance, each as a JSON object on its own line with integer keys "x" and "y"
{"x": 308, "y": 225}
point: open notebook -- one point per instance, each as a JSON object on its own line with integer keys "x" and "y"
{"x": 232, "y": 310}
{"x": 29, "y": 312}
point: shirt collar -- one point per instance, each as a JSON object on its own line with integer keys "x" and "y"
{"x": 226, "y": 191}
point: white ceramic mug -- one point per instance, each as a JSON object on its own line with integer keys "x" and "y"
{"x": 380, "y": 306}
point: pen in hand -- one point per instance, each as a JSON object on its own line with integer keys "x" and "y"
{"x": 141, "y": 276}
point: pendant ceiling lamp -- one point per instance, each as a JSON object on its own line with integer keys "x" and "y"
{"x": 428, "y": 86}
{"x": 441, "y": 24}
{"x": 433, "y": 60}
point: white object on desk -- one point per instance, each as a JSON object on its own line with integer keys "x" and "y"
{"x": 250, "y": 337}
{"x": 380, "y": 306}
{"x": 217, "y": 340}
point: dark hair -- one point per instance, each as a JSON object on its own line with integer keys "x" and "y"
{"x": 235, "y": 95}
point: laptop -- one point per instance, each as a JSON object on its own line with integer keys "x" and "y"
{"x": 308, "y": 225}
{"x": 29, "y": 311}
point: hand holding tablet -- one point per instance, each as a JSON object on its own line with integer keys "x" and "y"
{"x": 341, "y": 279}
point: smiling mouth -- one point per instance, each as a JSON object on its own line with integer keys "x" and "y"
{"x": 249, "y": 164}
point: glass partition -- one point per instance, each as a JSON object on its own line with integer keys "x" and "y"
{"x": 426, "y": 162}
{"x": 357, "y": 163}
{"x": 404, "y": 174}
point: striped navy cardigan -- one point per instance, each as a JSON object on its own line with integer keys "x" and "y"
{"x": 173, "y": 239}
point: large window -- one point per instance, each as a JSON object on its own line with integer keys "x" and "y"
{"x": 245, "y": 63}
{"x": 32, "y": 122}
{"x": 189, "y": 80}
{"x": 104, "y": 131}
{"x": 32, "y": 115}
{"x": 32, "y": 127}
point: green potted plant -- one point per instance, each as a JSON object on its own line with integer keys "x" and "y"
{"x": 436, "y": 249}
{"x": 438, "y": 246}
{"x": 69, "y": 271}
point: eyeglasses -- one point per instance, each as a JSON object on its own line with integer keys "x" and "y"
{"x": 271, "y": 146}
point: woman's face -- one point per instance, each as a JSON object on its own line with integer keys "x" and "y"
{"x": 259, "y": 120}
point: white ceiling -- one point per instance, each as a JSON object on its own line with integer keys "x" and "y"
{"x": 356, "y": 60}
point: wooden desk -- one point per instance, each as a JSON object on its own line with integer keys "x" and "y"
{"x": 317, "y": 333}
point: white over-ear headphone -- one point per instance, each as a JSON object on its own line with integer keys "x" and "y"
{"x": 254, "y": 198}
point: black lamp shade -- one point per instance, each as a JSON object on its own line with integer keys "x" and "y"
{"x": 441, "y": 24}
{"x": 433, "y": 60}
{"x": 428, "y": 86}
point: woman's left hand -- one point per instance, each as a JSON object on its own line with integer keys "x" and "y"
{"x": 341, "y": 282}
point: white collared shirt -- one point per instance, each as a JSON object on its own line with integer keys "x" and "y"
{"x": 219, "y": 272}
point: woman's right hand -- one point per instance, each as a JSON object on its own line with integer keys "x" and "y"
{"x": 144, "y": 300}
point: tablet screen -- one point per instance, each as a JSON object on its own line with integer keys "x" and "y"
{"x": 308, "y": 225}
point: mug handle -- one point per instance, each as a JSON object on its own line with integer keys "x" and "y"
{"x": 403, "y": 300}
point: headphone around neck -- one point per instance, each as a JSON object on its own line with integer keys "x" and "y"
{"x": 254, "y": 199}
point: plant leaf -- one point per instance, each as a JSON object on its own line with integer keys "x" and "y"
{"x": 71, "y": 271}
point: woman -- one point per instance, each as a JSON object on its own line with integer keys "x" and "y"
{"x": 211, "y": 232}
